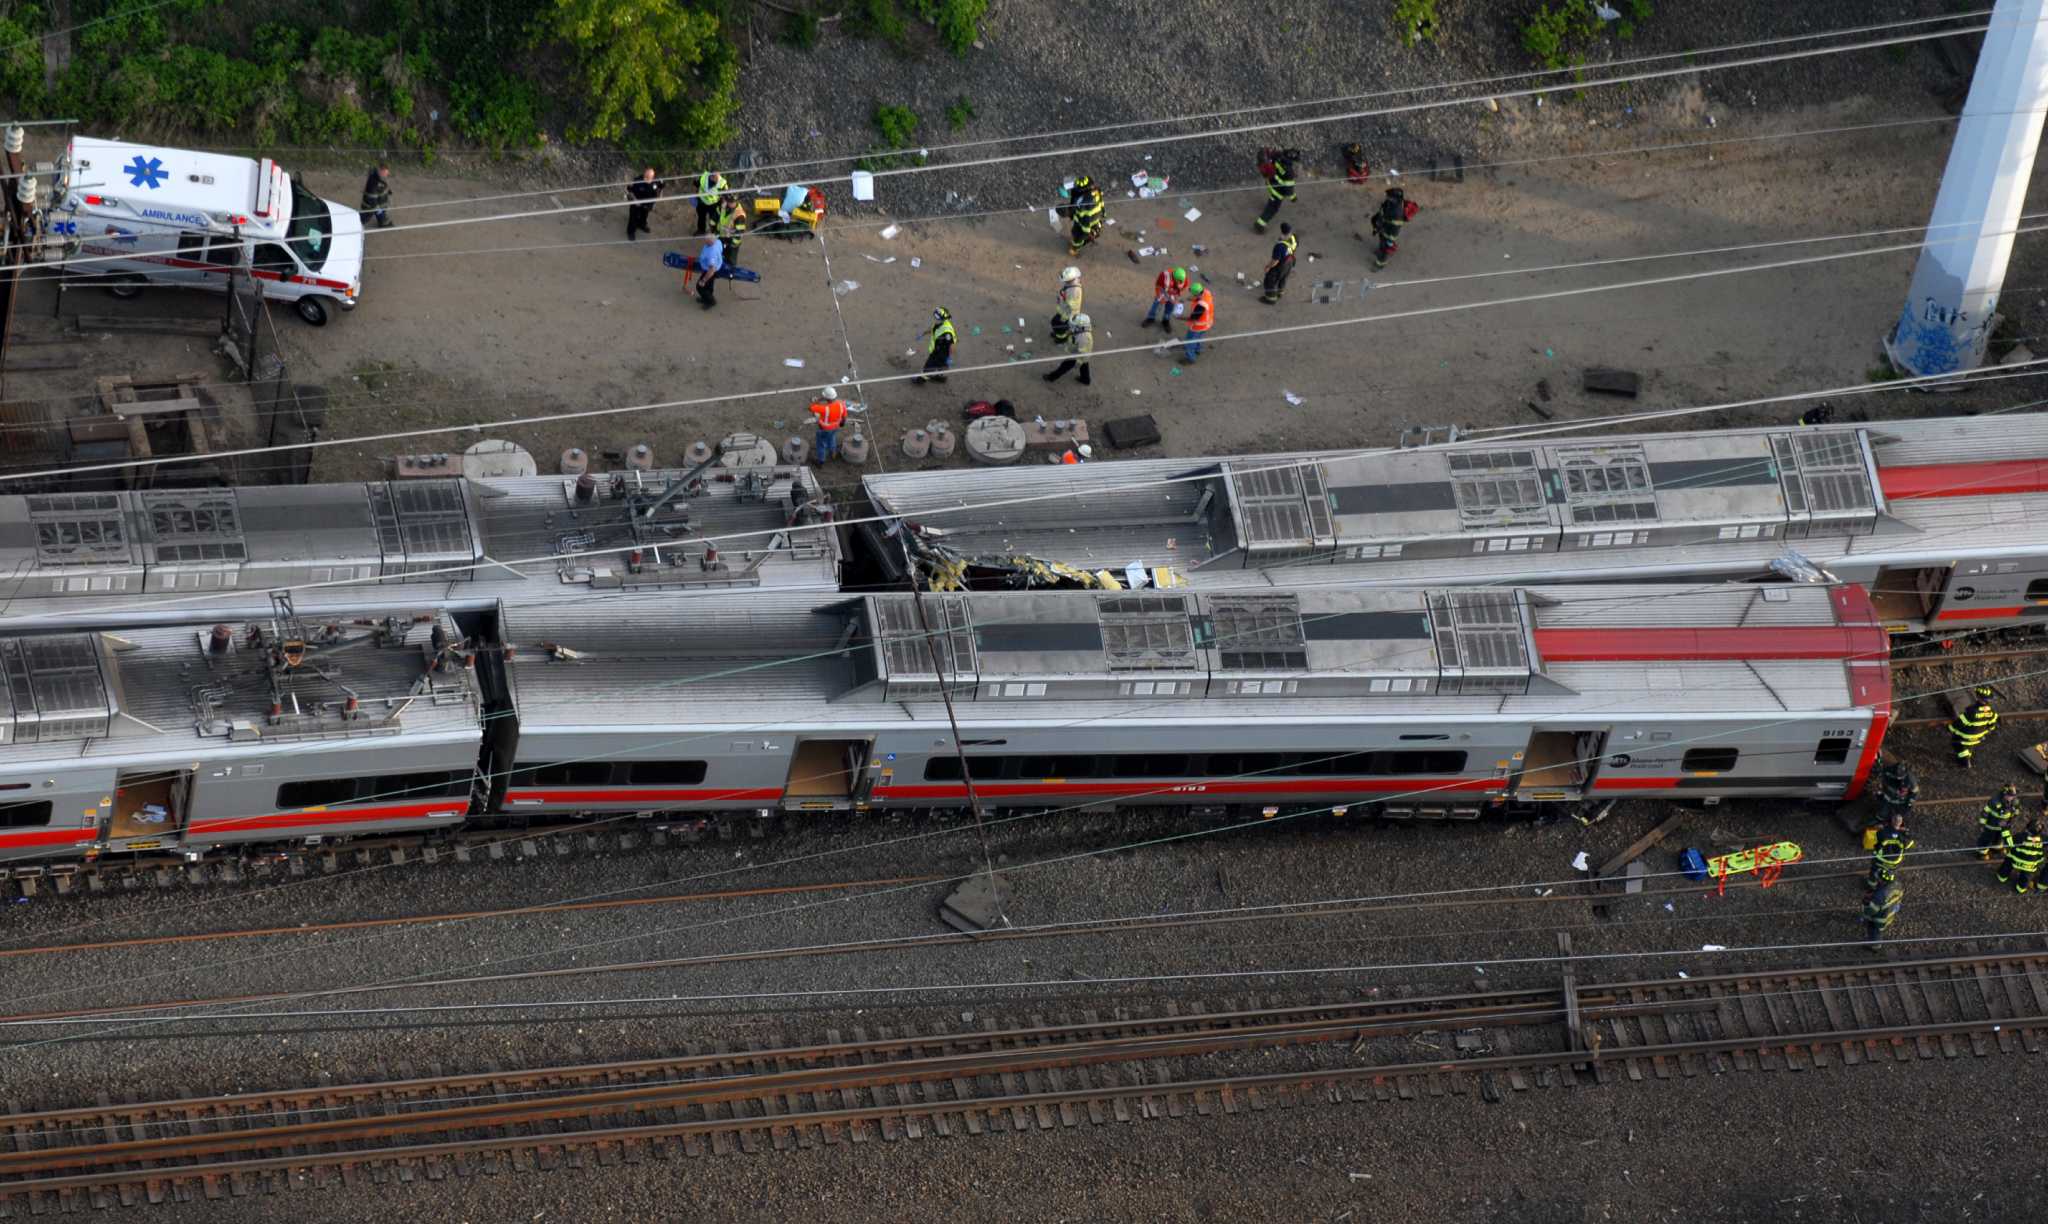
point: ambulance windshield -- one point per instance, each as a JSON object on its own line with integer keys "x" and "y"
{"x": 311, "y": 232}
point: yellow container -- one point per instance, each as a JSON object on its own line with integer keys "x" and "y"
{"x": 1870, "y": 838}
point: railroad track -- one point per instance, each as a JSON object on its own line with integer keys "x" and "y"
{"x": 892, "y": 1085}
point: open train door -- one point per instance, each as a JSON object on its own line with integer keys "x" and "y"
{"x": 1558, "y": 765}
{"x": 1905, "y": 596}
{"x": 825, "y": 775}
{"x": 149, "y": 808}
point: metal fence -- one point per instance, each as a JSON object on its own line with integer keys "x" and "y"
{"x": 288, "y": 416}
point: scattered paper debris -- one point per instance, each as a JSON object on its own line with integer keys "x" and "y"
{"x": 1146, "y": 251}
{"x": 794, "y": 363}
{"x": 1670, "y": 908}
{"x": 1580, "y": 862}
{"x": 1193, "y": 214}
{"x": 1020, "y": 322}
{"x": 890, "y": 231}
{"x": 1713, "y": 947}
{"x": 1292, "y": 398}
{"x": 1052, "y": 218}
{"x": 1141, "y": 178}
{"x": 845, "y": 287}
{"x": 872, "y": 259}
{"x": 1682, "y": 973}
{"x": 1136, "y": 391}
{"x": 915, "y": 262}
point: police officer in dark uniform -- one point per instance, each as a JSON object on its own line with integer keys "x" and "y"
{"x": 643, "y": 192}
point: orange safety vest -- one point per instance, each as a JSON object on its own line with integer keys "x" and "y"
{"x": 830, "y": 416}
{"x": 1202, "y": 312}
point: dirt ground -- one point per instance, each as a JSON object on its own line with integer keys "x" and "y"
{"x": 559, "y": 314}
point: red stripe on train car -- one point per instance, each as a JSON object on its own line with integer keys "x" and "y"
{"x": 624, "y": 794}
{"x": 350, "y": 815}
{"x": 1138, "y": 789}
{"x": 48, "y": 837}
{"x": 1964, "y": 479}
{"x": 1671, "y": 644}
{"x": 1964, "y": 614}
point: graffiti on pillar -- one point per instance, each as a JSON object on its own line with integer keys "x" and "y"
{"x": 1939, "y": 338}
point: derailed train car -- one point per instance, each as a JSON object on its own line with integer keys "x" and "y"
{"x": 1944, "y": 520}
{"x": 1429, "y": 703}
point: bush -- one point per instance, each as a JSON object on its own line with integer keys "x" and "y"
{"x": 1416, "y": 20}
{"x": 957, "y": 21}
{"x": 1558, "y": 36}
{"x": 898, "y": 126}
{"x": 877, "y": 19}
{"x": 959, "y": 113}
{"x": 801, "y": 30}
{"x": 21, "y": 57}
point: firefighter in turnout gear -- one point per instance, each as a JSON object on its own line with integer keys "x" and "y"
{"x": 1892, "y": 843}
{"x": 1276, "y": 166}
{"x": 1393, "y": 213}
{"x": 938, "y": 349}
{"x": 1880, "y": 910}
{"x": 1281, "y": 266}
{"x": 1079, "y": 343}
{"x": 2023, "y": 856}
{"x": 1085, "y": 208}
{"x": 1067, "y": 306}
{"x": 1994, "y": 823}
{"x": 1972, "y": 724}
{"x": 1896, "y": 791}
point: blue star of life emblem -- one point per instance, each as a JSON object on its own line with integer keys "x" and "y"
{"x": 144, "y": 173}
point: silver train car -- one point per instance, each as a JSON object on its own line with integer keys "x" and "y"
{"x": 1945, "y": 521}
{"x": 169, "y": 556}
{"x": 1403, "y": 702}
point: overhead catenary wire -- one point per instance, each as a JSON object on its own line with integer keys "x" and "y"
{"x": 1237, "y": 130}
{"x": 1056, "y": 860}
{"x": 1207, "y": 337}
{"x": 1408, "y": 283}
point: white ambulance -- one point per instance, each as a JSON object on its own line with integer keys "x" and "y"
{"x": 133, "y": 215}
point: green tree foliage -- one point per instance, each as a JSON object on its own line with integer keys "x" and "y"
{"x": 636, "y": 55}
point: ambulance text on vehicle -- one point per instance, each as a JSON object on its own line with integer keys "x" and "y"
{"x": 134, "y": 215}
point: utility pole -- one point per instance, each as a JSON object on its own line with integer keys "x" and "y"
{"x": 20, "y": 239}
{"x": 1953, "y": 301}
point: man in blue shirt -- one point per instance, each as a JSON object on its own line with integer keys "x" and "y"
{"x": 709, "y": 261}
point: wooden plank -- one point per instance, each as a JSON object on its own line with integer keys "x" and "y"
{"x": 1646, "y": 841}
{"x": 175, "y": 327}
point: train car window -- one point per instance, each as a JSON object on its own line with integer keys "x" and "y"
{"x": 2037, "y": 590}
{"x": 1074, "y": 767}
{"x": 25, "y": 815}
{"x": 567, "y": 773}
{"x": 1437, "y": 762}
{"x": 1709, "y": 760}
{"x": 665, "y": 773}
{"x": 316, "y": 792}
{"x": 947, "y": 769}
{"x": 1036, "y": 767}
{"x": 1152, "y": 765}
{"x": 1343, "y": 763}
{"x": 1834, "y": 750}
{"x": 416, "y": 785}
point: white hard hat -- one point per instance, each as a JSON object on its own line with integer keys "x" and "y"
{"x": 831, "y": 392}
{"x": 1081, "y": 322}
{"x": 1086, "y": 450}
{"x": 1069, "y": 274}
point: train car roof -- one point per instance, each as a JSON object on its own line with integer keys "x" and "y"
{"x": 165, "y": 691}
{"x": 165, "y": 556}
{"x": 1558, "y": 508}
{"x": 1567, "y": 652}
